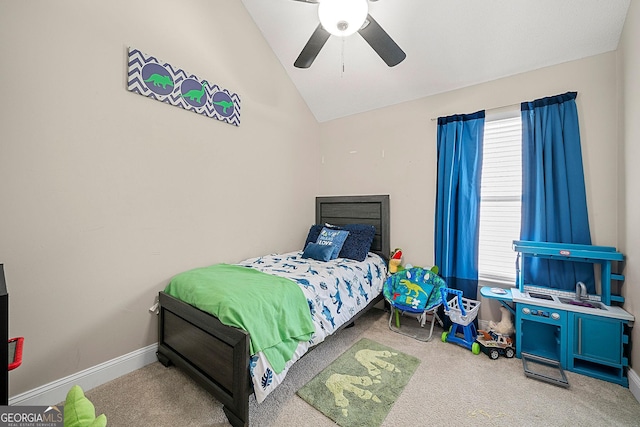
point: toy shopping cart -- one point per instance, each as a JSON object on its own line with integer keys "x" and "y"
{"x": 462, "y": 312}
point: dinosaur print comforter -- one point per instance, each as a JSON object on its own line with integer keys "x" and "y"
{"x": 335, "y": 290}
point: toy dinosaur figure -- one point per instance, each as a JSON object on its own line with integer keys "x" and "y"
{"x": 225, "y": 105}
{"x": 160, "y": 80}
{"x": 395, "y": 261}
{"x": 196, "y": 95}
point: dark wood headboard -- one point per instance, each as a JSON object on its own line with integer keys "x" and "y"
{"x": 372, "y": 210}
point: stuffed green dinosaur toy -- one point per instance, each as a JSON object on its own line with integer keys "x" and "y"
{"x": 80, "y": 412}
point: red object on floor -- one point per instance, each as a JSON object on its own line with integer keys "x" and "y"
{"x": 15, "y": 347}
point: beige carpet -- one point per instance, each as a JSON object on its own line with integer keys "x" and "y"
{"x": 451, "y": 387}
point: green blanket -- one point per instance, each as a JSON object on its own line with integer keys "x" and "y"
{"x": 272, "y": 309}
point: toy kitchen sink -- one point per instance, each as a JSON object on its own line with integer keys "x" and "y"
{"x": 588, "y": 334}
{"x": 567, "y": 301}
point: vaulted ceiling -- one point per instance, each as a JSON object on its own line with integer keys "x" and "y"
{"x": 449, "y": 44}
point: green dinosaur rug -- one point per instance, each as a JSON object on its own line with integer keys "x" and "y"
{"x": 360, "y": 387}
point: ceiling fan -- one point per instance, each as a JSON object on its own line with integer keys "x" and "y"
{"x": 337, "y": 17}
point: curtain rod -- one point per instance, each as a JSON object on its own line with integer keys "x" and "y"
{"x": 488, "y": 109}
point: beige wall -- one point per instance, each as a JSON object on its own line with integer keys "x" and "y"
{"x": 106, "y": 194}
{"x": 629, "y": 203}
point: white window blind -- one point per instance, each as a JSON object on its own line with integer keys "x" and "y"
{"x": 501, "y": 195}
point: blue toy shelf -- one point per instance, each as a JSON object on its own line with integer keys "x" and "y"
{"x": 602, "y": 255}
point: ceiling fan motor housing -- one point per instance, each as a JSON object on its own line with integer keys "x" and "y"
{"x": 342, "y": 17}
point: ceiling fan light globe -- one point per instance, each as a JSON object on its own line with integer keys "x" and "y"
{"x": 342, "y": 17}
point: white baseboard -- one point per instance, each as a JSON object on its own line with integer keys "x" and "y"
{"x": 634, "y": 383}
{"x": 56, "y": 391}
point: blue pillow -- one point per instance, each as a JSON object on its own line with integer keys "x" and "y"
{"x": 318, "y": 252}
{"x": 358, "y": 242}
{"x": 314, "y": 232}
{"x": 334, "y": 238}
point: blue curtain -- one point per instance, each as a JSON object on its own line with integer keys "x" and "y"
{"x": 458, "y": 200}
{"x": 554, "y": 200}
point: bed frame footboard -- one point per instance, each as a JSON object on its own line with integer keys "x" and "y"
{"x": 215, "y": 355}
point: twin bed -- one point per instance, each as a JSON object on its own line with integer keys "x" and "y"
{"x": 337, "y": 292}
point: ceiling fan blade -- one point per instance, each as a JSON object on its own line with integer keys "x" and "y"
{"x": 308, "y": 1}
{"x": 312, "y": 48}
{"x": 380, "y": 41}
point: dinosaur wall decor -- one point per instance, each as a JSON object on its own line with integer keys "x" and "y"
{"x": 161, "y": 81}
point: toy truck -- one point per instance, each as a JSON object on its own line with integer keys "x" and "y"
{"x": 494, "y": 344}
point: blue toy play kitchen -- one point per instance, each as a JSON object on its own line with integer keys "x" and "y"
{"x": 584, "y": 333}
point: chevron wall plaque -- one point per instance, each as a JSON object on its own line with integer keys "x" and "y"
{"x": 160, "y": 81}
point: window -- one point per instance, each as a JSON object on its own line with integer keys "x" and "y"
{"x": 500, "y": 198}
